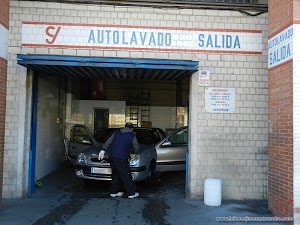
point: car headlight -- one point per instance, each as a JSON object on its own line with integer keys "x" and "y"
{"x": 81, "y": 159}
{"x": 136, "y": 160}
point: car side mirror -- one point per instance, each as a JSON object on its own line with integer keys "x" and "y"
{"x": 166, "y": 143}
{"x": 86, "y": 141}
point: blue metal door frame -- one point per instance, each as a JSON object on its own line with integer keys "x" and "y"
{"x": 76, "y": 61}
{"x": 32, "y": 153}
{"x": 95, "y": 67}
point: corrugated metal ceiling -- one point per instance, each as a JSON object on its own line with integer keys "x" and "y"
{"x": 116, "y": 68}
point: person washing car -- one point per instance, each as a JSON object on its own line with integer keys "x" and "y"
{"x": 120, "y": 145}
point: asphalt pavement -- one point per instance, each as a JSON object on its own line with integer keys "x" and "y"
{"x": 65, "y": 199}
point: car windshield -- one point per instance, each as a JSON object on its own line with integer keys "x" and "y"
{"x": 103, "y": 135}
{"x": 145, "y": 137}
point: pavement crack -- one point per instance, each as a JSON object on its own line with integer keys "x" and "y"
{"x": 116, "y": 212}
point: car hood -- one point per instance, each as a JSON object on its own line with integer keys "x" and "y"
{"x": 94, "y": 151}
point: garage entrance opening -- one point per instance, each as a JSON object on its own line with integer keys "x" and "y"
{"x": 76, "y": 90}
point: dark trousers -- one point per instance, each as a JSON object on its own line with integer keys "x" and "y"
{"x": 121, "y": 177}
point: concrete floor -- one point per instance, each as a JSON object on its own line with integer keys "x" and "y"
{"x": 65, "y": 199}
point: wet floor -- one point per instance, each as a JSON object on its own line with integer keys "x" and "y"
{"x": 65, "y": 199}
{"x": 65, "y": 180}
{"x": 81, "y": 201}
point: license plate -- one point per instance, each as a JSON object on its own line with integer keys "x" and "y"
{"x": 101, "y": 170}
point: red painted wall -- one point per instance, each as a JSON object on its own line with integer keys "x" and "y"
{"x": 4, "y": 20}
{"x": 280, "y": 168}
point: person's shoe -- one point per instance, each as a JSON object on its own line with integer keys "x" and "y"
{"x": 119, "y": 194}
{"x": 134, "y": 196}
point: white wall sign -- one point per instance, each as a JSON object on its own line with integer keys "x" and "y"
{"x": 204, "y": 77}
{"x": 3, "y": 42}
{"x": 141, "y": 38}
{"x": 280, "y": 47}
{"x": 220, "y": 100}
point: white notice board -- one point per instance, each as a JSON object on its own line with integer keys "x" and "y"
{"x": 219, "y": 100}
{"x": 204, "y": 78}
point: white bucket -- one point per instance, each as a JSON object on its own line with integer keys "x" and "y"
{"x": 212, "y": 192}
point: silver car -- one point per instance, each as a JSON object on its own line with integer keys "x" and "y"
{"x": 171, "y": 151}
{"x": 142, "y": 164}
{"x": 80, "y": 139}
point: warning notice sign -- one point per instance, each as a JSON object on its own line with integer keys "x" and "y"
{"x": 220, "y": 100}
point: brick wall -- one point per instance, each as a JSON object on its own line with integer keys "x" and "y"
{"x": 280, "y": 175}
{"x": 4, "y": 19}
{"x": 281, "y": 138}
{"x": 231, "y": 146}
{"x": 4, "y": 16}
{"x": 296, "y": 10}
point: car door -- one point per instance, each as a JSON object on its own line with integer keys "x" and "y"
{"x": 171, "y": 152}
{"x": 80, "y": 139}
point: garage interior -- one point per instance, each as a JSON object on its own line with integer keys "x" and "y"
{"x": 101, "y": 93}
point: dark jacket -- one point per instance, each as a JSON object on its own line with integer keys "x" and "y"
{"x": 121, "y": 143}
